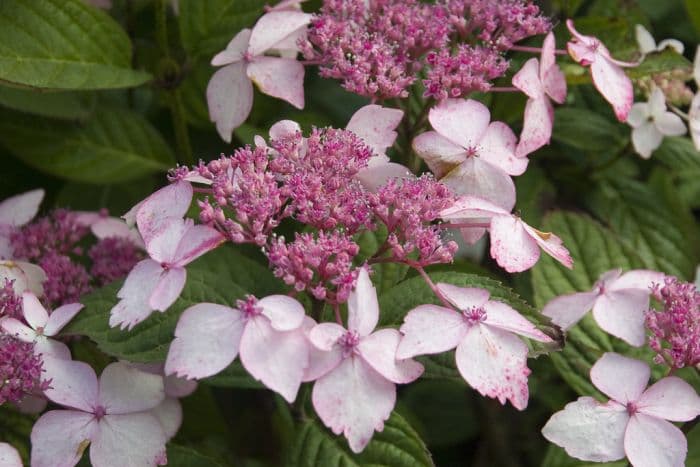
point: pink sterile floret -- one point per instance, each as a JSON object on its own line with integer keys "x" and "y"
{"x": 470, "y": 155}
{"x": 25, "y": 277}
{"x": 490, "y": 356}
{"x": 675, "y": 330}
{"x": 111, "y": 415}
{"x": 9, "y": 457}
{"x": 267, "y": 332}
{"x": 14, "y": 213}
{"x": 356, "y": 372}
{"x": 514, "y": 244}
{"x": 634, "y": 423}
{"x": 618, "y": 302}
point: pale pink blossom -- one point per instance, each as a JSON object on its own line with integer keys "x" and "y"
{"x": 541, "y": 81}
{"x": 104, "y": 226}
{"x": 267, "y": 333}
{"x": 514, "y": 244}
{"x": 608, "y": 77}
{"x": 647, "y": 44}
{"x": 41, "y": 326}
{"x": 490, "y": 356}
{"x": 9, "y": 457}
{"x": 15, "y": 212}
{"x": 618, "y": 301}
{"x": 25, "y": 277}
{"x": 111, "y": 416}
{"x": 230, "y": 90}
{"x": 651, "y": 122}
{"x": 470, "y": 155}
{"x": 356, "y": 377}
{"x": 171, "y": 242}
{"x": 635, "y": 422}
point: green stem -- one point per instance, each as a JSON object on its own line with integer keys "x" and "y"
{"x": 182, "y": 136}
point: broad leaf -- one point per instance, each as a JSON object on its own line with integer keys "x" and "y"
{"x": 660, "y": 62}
{"x": 221, "y": 276}
{"x": 398, "y": 445}
{"x": 588, "y": 131}
{"x": 116, "y": 145}
{"x": 183, "y": 456}
{"x": 67, "y": 105}
{"x": 557, "y": 457}
{"x": 64, "y": 44}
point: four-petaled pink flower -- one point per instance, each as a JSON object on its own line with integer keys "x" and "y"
{"x": 618, "y": 302}
{"x": 633, "y": 423}
{"x": 15, "y": 212}
{"x": 9, "y": 457}
{"x": 651, "y": 122}
{"x": 41, "y": 326}
{"x": 608, "y": 77}
{"x": 171, "y": 242}
{"x": 469, "y": 155}
{"x": 266, "y": 332}
{"x": 110, "y": 415}
{"x": 514, "y": 245}
{"x": 357, "y": 372}
{"x": 490, "y": 356}
{"x": 540, "y": 81}
{"x": 230, "y": 90}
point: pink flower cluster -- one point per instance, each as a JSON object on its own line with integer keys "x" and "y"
{"x": 675, "y": 330}
{"x": 10, "y": 303}
{"x": 20, "y": 370}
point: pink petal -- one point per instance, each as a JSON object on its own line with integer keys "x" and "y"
{"x": 34, "y": 311}
{"x": 234, "y": 50}
{"x": 379, "y": 351}
{"x": 651, "y": 442}
{"x": 178, "y": 387}
{"x": 363, "y": 307}
{"x": 169, "y": 415}
{"x": 511, "y": 245}
{"x": 641, "y": 279}
{"x": 621, "y": 314}
{"x": 527, "y": 79}
{"x": 498, "y": 148}
{"x": 464, "y": 298}
{"x": 229, "y": 98}
{"x": 375, "y": 125}
{"x": 113, "y": 227}
{"x": 277, "y": 359}
{"x": 155, "y": 212}
{"x": 168, "y": 289}
{"x": 125, "y": 389}
{"x": 439, "y": 153}
{"x": 374, "y": 176}
{"x": 354, "y": 400}
{"x": 73, "y": 383}
{"x": 552, "y": 77}
{"x": 614, "y": 85}
{"x": 284, "y": 128}
{"x": 285, "y": 313}
{"x": 273, "y": 27}
{"x": 324, "y": 336}
{"x": 163, "y": 244}
{"x": 282, "y": 78}
{"x": 620, "y": 378}
{"x": 26, "y": 277}
{"x": 322, "y": 361}
{"x": 430, "y": 329}
{"x": 478, "y": 178}
{"x": 694, "y": 120}
{"x": 6, "y": 250}
{"x": 207, "y": 339}
{"x": 59, "y": 437}
{"x": 582, "y": 49}
{"x": 135, "y": 295}
{"x": 60, "y": 317}
{"x": 670, "y": 124}
{"x": 551, "y": 244}
{"x": 466, "y": 207}
{"x": 567, "y": 310}
{"x": 51, "y": 348}
{"x": 32, "y": 405}
{"x": 9, "y": 457}
{"x": 18, "y": 329}
{"x": 502, "y": 316}
{"x": 537, "y": 126}
{"x": 670, "y": 398}
{"x": 646, "y": 139}
{"x": 462, "y": 122}
{"x": 494, "y": 362}
{"x": 20, "y": 209}
{"x": 134, "y": 439}
{"x": 589, "y": 430}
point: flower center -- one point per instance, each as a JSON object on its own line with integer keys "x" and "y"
{"x": 472, "y": 151}
{"x": 348, "y": 343}
{"x": 100, "y": 412}
{"x": 631, "y": 408}
{"x": 249, "y": 307}
{"x": 40, "y": 331}
{"x": 474, "y": 315}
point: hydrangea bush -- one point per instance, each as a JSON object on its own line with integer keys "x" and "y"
{"x": 349, "y": 232}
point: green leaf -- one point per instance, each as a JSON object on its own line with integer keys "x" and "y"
{"x": 397, "y": 445}
{"x": 588, "y": 131}
{"x": 660, "y": 62}
{"x": 234, "y": 376}
{"x": 116, "y": 145}
{"x": 595, "y": 250}
{"x": 645, "y": 224}
{"x": 557, "y": 457}
{"x": 67, "y": 105}
{"x": 15, "y": 428}
{"x": 679, "y": 154}
{"x": 693, "y": 9}
{"x": 64, "y": 44}
{"x": 206, "y": 27}
{"x": 222, "y": 276}
{"x": 183, "y": 456}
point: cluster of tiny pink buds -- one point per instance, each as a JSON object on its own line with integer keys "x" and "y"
{"x": 66, "y": 280}
{"x": 500, "y": 23}
{"x": 20, "y": 370}
{"x": 675, "y": 330}
{"x": 320, "y": 264}
{"x": 408, "y": 208}
{"x": 58, "y": 232}
{"x": 462, "y": 71}
{"x": 10, "y": 302}
{"x": 249, "y": 306}
{"x": 113, "y": 258}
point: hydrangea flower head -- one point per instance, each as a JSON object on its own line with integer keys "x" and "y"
{"x": 651, "y": 122}
{"x": 490, "y": 356}
{"x": 635, "y": 422}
